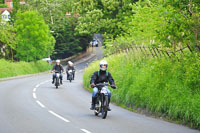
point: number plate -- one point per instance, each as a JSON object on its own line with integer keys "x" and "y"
{"x": 57, "y": 75}
{"x": 104, "y": 90}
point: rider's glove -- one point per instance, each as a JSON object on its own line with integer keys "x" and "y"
{"x": 92, "y": 85}
{"x": 113, "y": 86}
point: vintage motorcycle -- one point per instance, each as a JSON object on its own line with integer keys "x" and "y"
{"x": 101, "y": 104}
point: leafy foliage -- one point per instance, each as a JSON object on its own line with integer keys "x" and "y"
{"x": 3, "y": 6}
{"x": 68, "y": 40}
{"x": 7, "y": 40}
{"x": 1, "y": 1}
{"x": 102, "y": 16}
{"x": 33, "y": 36}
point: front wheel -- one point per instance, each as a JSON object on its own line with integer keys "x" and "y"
{"x": 57, "y": 83}
{"x": 96, "y": 113}
{"x": 105, "y": 107}
{"x": 104, "y": 114}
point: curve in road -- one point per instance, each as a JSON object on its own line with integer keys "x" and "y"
{"x": 33, "y": 105}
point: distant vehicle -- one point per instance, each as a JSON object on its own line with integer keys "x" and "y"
{"x": 70, "y": 78}
{"x": 57, "y": 83}
{"x": 46, "y": 59}
{"x": 94, "y": 43}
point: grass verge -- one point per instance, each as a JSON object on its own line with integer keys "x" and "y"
{"x": 168, "y": 87}
{"x": 10, "y": 69}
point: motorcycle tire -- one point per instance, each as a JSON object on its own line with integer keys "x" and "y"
{"x": 105, "y": 107}
{"x": 57, "y": 83}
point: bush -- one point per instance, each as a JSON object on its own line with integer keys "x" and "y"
{"x": 10, "y": 69}
{"x": 3, "y": 6}
{"x": 163, "y": 86}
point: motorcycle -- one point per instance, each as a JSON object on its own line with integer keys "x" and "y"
{"x": 101, "y": 104}
{"x": 57, "y": 82}
{"x": 70, "y": 75}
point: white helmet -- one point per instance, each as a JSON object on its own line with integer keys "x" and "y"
{"x": 57, "y": 61}
{"x": 102, "y": 63}
{"x": 69, "y": 62}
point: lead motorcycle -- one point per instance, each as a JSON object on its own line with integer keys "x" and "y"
{"x": 101, "y": 105}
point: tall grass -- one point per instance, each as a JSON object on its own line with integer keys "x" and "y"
{"x": 10, "y": 69}
{"x": 165, "y": 86}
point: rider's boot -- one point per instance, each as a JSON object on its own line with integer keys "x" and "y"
{"x": 109, "y": 109}
{"x": 93, "y": 103}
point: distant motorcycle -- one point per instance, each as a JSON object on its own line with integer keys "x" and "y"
{"x": 101, "y": 104}
{"x": 57, "y": 82}
{"x": 70, "y": 75}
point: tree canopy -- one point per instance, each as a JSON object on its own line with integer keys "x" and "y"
{"x": 33, "y": 36}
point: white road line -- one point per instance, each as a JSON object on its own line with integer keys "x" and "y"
{"x": 34, "y": 96}
{"x": 34, "y": 90}
{"x": 37, "y": 85}
{"x": 60, "y": 117}
{"x": 86, "y": 131}
{"x": 38, "y": 102}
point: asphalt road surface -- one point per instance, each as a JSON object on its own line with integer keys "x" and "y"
{"x": 33, "y": 105}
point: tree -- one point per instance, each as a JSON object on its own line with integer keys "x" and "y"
{"x": 33, "y": 36}
{"x": 68, "y": 41}
{"x": 7, "y": 40}
{"x": 103, "y": 16}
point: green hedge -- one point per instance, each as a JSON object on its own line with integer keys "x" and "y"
{"x": 163, "y": 86}
{"x": 3, "y": 6}
{"x": 10, "y": 69}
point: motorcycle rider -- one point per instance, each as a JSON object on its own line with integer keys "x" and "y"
{"x": 70, "y": 67}
{"x": 57, "y": 68}
{"x": 101, "y": 76}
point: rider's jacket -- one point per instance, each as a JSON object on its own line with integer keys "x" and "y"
{"x": 70, "y": 68}
{"x": 58, "y": 68}
{"x": 101, "y": 77}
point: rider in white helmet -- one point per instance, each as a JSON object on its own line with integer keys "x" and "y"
{"x": 70, "y": 67}
{"x": 57, "y": 68}
{"x": 101, "y": 76}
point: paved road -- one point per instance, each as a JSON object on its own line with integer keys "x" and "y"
{"x": 33, "y": 105}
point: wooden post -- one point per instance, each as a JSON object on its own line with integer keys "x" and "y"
{"x": 142, "y": 51}
{"x": 151, "y": 51}
{"x": 167, "y": 53}
{"x": 158, "y": 52}
{"x": 163, "y": 53}
{"x": 145, "y": 50}
{"x": 181, "y": 51}
{"x": 189, "y": 48}
{"x": 155, "y": 52}
{"x": 135, "y": 47}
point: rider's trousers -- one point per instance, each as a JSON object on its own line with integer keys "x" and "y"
{"x": 95, "y": 91}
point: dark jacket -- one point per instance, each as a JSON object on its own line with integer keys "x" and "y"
{"x": 58, "y": 68}
{"x": 102, "y": 77}
{"x": 70, "y": 68}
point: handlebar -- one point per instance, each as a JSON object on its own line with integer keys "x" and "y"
{"x": 102, "y": 84}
